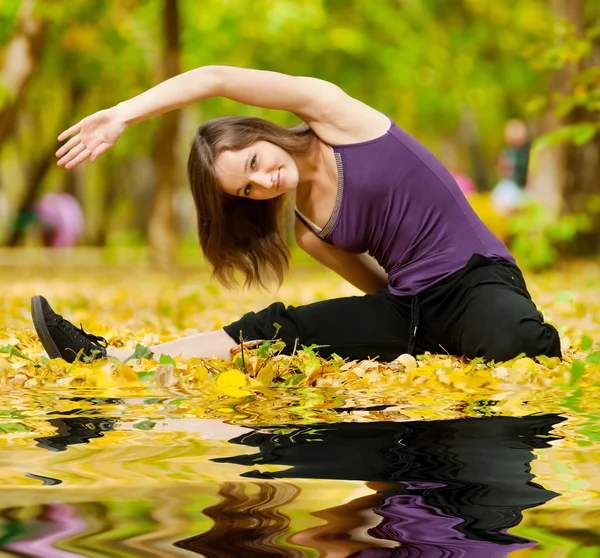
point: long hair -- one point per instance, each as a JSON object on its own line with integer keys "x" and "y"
{"x": 236, "y": 233}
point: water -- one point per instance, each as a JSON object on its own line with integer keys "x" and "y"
{"x": 332, "y": 474}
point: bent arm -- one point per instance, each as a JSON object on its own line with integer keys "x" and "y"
{"x": 359, "y": 269}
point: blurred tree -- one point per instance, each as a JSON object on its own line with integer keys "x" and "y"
{"x": 162, "y": 232}
{"x": 569, "y": 153}
{"x": 21, "y": 58}
{"x": 449, "y": 72}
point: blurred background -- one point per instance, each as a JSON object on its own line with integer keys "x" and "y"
{"x": 506, "y": 94}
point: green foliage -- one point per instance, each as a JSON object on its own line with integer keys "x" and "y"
{"x": 564, "y": 50}
{"x": 140, "y": 352}
{"x": 11, "y": 350}
{"x": 577, "y": 371}
{"x": 166, "y": 359}
{"x": 537, "y": 233}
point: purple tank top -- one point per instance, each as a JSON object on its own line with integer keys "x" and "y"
{"x": 396, "y": 201}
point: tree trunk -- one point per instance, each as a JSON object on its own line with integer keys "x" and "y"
{"x": 20, "y": 61}
{"x": 162, "y": 232}
{"x": 582, "y": 170}
{"x": 35, "y": 178}
{"x": 568, "y": 174}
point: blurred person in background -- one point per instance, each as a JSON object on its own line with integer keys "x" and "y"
{"x": 512, "y": 168}
{"x": 372, "y": 204}
{"x": 59, "y": 218}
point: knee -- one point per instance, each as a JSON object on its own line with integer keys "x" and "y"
{"x": 530, "y": 337}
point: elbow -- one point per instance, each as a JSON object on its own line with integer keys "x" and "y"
{"x": 211, "y": 79}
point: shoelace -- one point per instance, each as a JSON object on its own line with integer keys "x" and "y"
{"x": 100, "y": 341}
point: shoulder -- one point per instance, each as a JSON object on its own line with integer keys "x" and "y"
{"x": 346, "y": 120}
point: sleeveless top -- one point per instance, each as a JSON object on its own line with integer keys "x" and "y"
{"x": 397, "y": 202}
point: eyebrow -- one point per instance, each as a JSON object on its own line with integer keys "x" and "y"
{"x": 245, "y": 167}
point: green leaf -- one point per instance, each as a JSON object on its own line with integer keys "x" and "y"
{"x": 586, "y": 343}
{"x": 145, "y": 425}
{"x": 582, "y": 133}
{"x": 166, "y": 359}
{"x": 140, "y": 352}
{"x": 277, "y": 328}
{"x": 278, "y": 346}
{"x": 147, "y": 376}
{"x": 263, "y": 350}
{"x": 577, "y": 371}
{"x": 13, "y": 351}
{"x": 594, "y": 358}
{"x": 295, "y": 379}
{"x": 564, "y": 296}
{"x": 11, "y": 427}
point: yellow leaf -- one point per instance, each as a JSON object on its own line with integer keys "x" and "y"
{"x": 231, "y": 382}
{"x": 525, "y": 363}
{"x": 266, "y": 374}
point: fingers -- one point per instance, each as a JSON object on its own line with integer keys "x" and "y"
{"x": 72, "y": 130}
{"x": 98, "y": 151}
{"x": 73, "y": 154}
{"x": 68, "y": 146}
{"x": 79, "y": 159}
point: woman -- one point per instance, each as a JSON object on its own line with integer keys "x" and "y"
{"x": 372, "y": 204}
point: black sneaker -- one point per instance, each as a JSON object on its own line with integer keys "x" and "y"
{"x": 61, "y": 338}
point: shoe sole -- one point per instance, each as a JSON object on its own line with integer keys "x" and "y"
{"x": 42, "y": 329}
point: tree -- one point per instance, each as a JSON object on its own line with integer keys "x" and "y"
{"x": 569, "y": 153}
{"x": 21, "y": 59}
{"x": 162, "y": 233}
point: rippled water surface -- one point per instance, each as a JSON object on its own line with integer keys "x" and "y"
{"x": 139, "y": 474}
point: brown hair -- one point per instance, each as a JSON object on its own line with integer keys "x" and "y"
{"x": 238, "y": 233}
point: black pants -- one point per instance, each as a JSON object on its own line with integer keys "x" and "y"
{"x": 483, "y": 310}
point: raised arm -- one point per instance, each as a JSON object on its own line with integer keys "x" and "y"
{"x": 334, "y": 116}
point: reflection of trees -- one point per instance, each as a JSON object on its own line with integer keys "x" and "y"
{"x": 245, "y": 523}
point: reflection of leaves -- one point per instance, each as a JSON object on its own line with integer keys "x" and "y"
{"x": 145, "y": 425}
{"x": 13, "y": 427}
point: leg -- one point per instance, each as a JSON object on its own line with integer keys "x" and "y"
{"x": 496, "y": 318}
{"x": 204, "y": 345}
{"x": 356, "y": 327}
{"x": 61, "y": 338}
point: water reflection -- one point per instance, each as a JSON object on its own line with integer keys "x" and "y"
{"x": 450, "y": 488}
{"x": 441, "y": 488}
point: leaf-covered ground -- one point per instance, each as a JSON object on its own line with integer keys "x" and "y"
{"x": 150, "y": 445}
{"x": 129, "y": 305}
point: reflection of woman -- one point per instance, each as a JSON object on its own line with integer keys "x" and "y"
{"x": 438, "y": 279}
{"x": 454, "y": 486}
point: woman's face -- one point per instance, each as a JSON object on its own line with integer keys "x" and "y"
{"x": 260, "y": 171}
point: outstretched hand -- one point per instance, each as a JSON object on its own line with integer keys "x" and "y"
{"x": 91, "y": 137}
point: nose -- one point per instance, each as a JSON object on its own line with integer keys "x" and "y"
{"x": 263, "y": 179}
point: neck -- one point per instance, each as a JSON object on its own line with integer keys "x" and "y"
{"x": 315, "y": 170}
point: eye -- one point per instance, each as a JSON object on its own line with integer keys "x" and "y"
{"x": 247, "y": 189}
{"x": 253, "y": 163}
